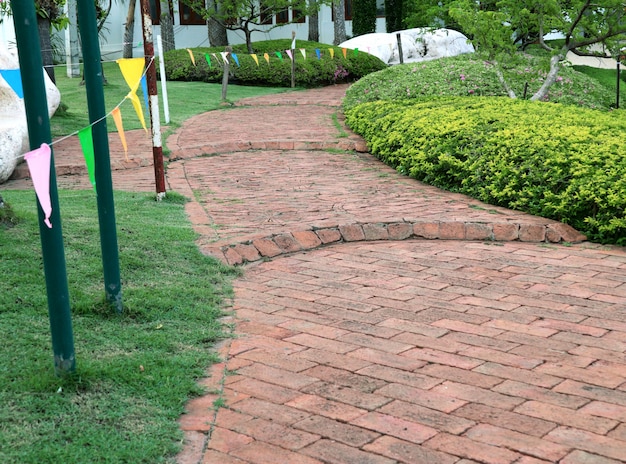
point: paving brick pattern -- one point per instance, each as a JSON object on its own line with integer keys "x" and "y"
{"x": 380, "y": 320}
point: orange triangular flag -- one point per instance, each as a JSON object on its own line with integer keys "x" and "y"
{"x": 193, "y": 60}
{"x": 345, "y": 52}
{"x": 267, "y": 58}
{"x": 117, "y": 117}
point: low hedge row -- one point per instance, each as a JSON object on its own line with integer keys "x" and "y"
{"x": 310, "y": 71}
{"x": 555, "y": 161}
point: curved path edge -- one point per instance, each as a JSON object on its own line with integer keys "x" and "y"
{"x": 274, "y": 245}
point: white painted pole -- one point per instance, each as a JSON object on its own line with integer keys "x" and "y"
{"x": 166, "y": 107}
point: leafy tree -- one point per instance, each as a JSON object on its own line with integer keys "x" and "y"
{"x": 363, "y": 17}
{"x": 251, "y": 16}
{"x": 428, "y": 13}
{"x": 582, "y": 23}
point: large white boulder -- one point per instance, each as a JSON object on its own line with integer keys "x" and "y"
{"x": 13, "y": 128}
{"x": 417, "y": 45}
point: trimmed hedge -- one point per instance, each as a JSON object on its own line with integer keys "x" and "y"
{"x": 310, "y": 72}
{"x": 555, "y": 161}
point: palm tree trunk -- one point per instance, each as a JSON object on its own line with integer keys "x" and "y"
{"x": 314, "y": 24}
{"x": 129, "y": 30}
{"x": 340, "y": 21}
{"x": 167, "y": 26}
{"x": 218, "y": 36}
{"x": 43, "y": 24}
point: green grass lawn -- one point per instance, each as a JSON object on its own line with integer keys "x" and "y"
{"x": 186, "y": 99}
{"x": 608, "y": 78}
{"x": 134, "y": 372}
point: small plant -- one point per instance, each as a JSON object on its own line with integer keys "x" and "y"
{"x": 340, "y": 74}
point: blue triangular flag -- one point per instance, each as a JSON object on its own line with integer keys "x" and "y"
{"x": 235, "y": 58}
{"x": 14, "y": 79}
{"x": 317, "y": 52}
{"x": 144, "y": 89}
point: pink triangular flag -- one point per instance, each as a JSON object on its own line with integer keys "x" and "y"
{"x": 289, "y": 54}
{"x": 38, "y": 162}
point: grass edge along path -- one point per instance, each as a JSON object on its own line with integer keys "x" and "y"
{"x": 136, "y": 372}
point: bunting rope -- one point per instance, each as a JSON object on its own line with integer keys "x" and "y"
{"x": 111, "y": 113}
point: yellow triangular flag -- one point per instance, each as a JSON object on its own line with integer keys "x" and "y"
{"x": 303, "y": 51}
{"x": 137, "y": 104}
{"x": 267, "y": 58}
{"x": 117, "y": 117}
{"x": 193, "y": 60}
{"x": 132, "y": 70}
{"x": 254, "y": 57}
{"x": 344, "y": 51}
{"x": 332, "y": 52}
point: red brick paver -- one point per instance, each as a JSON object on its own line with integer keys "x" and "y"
{"x": 380, "y": 320}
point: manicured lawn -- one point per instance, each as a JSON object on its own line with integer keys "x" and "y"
{"x": 134, "y": 372}
{"x": 186, "y": 99}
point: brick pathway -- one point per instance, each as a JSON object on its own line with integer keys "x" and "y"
{"x": 389, "y": 327}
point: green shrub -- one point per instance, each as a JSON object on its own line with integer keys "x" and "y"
{"x": 470, "y": 75}
{"x": 555, "y": 161}
{"x": 310, "y": 72}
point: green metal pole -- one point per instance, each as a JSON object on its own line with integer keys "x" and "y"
{"x": 31, "y": 65}
{"x": 104, "y": 185}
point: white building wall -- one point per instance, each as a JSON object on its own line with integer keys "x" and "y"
{"x": 111, "y": 41}
{"x": 197, "y": 36}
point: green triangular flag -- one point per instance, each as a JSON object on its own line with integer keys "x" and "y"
{"x": 86, "y": 143}
{"x": 279, "y": 55}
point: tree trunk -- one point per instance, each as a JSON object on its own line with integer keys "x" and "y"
{"x": 550, "y": 78}
{"x": 314, "y": 23}
{"x": 167, "y": 26}
{"x": 218, "y": 36}
{"x": 340, "y": 21}
{"x": 129, "y": 30}
{"x": 248, "y": 33}
{"x": 44, "y": 26}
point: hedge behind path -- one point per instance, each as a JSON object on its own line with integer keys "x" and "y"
{"x": 556, "y": 161}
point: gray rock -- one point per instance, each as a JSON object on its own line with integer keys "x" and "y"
{"x": 417, "y": 45}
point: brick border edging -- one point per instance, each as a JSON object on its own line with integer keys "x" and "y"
{"x": 313, "y": 238}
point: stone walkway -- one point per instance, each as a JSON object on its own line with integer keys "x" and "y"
{"x": 378, "y": 319}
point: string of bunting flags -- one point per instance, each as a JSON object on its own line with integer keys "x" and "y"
{"x": 266, "y": 56}
{"x": 39, "y": 160}
{"x": 134, "y": 72}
